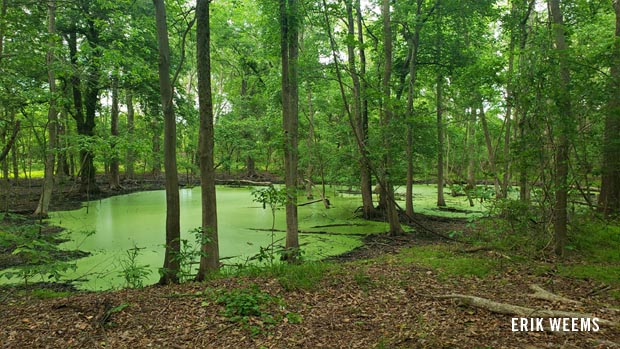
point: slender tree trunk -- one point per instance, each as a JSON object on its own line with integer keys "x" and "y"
{"x": 491, "y": 153}
{"x": 365, "y": 171}
{"x": 156, "y": 147}
{"x": 565, "y": 122}
{"x": 52, "y": 117}
{"x": 10, "y": 144}
{"x": 289, "y": 25}
{"x": 130, "y": 157}
{"x": 210, "y": 257}
{"x": 471, "y": 149}
{"x": 115, "y": 182}
{"x": 15, "y": 162}
{"x": 311, "y": 147}
{"x": 171, "y": 266}
{"x": 359, "y": 108}
{"x": 609, "y": 199}
{"x": 413, "y": 43}
{"x": 392, "y": 212}
{"x": 440, "y": 143}
{"x": 507, "y": 122}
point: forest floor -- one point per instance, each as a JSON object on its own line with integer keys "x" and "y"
{"x": 389, "y": 293}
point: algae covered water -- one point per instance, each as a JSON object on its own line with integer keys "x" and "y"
{"x": 108, "y": 228}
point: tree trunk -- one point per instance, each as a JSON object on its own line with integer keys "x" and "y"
{"x": 471, "y": 150}
{"x": 392, "y": 213}
{"x": 210, "y": 257}
{"x": 130, "y": 156}
{"x": 10, "y": 144}
{"x": 115, "y": 182}
{"x": 85, "y": 122}
{"x": 52, "y": 117}
{"x": 564, "y": 122}
{"x": 413, "y": 43}
{"x": 360, "y": 112}
{"x": 440, "y": 143}
{"x": 312, "y": 149}
{"x": 289, "y": 26}
{"x": 156, "y": 147}
{"x": 171, "y": 266}
{"x": 499, "y": 192}
{"x": 609, "y": 199}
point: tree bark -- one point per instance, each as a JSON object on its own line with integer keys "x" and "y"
{"x": 564, "y": 122}
{"x": 171, "y": 266}
{"x": 210, "y": 258}
{"x": 365, "y": 170}
{"x": 413, "y": 42}
{"x": 387, "y": 116}
{"x": 471, "y": 150}
{"x": 52, "y": 117}
{"x": 10, "y": 144}
{"x": 359, "y": 107}
{"x": 115, "y": 182}
{"x": 289, "y": 19}
{"x": 130, "y": 156}
{"x": 440, "y": 143}
{"x": 609, "y": 199}
{"x": 499, "y": 192}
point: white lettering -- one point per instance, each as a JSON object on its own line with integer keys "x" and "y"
{"x": 595, "y": 324}
{"x": 555, "y": 323}
{"x": 574, "y": 321}
{"x": 514, "y": 321}
{"x": 566, "y": 324}
{"x": 524, "y": 324}
{"x": 585, "y": 324}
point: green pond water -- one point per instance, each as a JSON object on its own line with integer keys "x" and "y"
{"x": 138, "y": 219}
{"x": 108, "y": 228}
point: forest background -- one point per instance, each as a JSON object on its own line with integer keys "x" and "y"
{"x": 516, "y": 103}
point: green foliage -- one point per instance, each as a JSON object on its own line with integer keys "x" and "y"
{"x": 274, "y": 198}
{"x": 363, "y": 280}
{"x": 245, "y": 302}
{"x": 36, "y": 254}
{"x": 190, "y": 254}
{"x": 133, "y": 273}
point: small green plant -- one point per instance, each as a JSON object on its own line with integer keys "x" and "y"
{"x": 133, "y": 273}
{"x": 190, "y": 254}
{"x": 251, "y": 308}
{"x": 274, "y": 198}
{"x": 362, "y": 280}
{"x": 293, "y": 318}
{"x": 34, "y": 255}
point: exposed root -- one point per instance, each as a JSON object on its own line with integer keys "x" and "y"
{"x": 510, "y": 309}
{"x": 541, "y": 293}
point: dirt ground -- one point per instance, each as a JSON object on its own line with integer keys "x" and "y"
{"x": 371, "y": 300}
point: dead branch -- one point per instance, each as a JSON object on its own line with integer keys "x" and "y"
{"x": 541, "y": 293}
{"x": 510, "y": 309}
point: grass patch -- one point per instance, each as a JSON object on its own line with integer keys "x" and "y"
{"x": 447, "y": 262}
{"x": 596, "y": 241}
{"x": 304, "y": 276}
{"x": 43, "y": 293}
{"x": 599, "y": 272}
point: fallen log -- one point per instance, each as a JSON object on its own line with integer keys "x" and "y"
{"x": 310, "y": 202}
{"x": 541, "y": 293}
{"x": 242, "y": 181}
{"x": 511, "y": 309}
